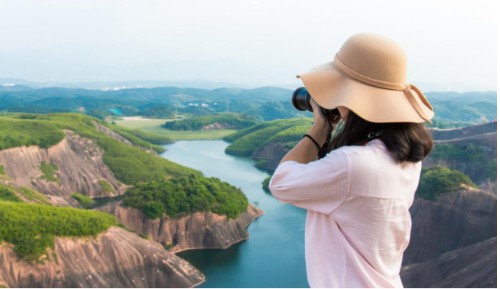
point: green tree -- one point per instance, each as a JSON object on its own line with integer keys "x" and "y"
{"x": 437, "y": 180}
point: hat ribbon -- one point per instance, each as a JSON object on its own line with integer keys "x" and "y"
{"x": 406, "y": 88}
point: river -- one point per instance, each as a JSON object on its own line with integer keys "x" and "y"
{"x": 273, "y": 256}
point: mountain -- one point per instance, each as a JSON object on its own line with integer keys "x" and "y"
{"x": 266, "y": 103}
{"x": 53, "y": 165}
{"x": 471, "y": 150}
{"x": 471, "y": 266}
{"x": 453, "y": 241}
{"x": 455, "y": 220}
{"x": 462, "y": 97}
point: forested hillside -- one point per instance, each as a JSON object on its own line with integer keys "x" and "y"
{"x": 267, "y": 103}
{"x": 60, "y": 152}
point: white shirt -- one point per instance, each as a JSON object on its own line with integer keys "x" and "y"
{"x": 358, "y": 222}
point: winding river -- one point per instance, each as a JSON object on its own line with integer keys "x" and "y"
{"x": 273, "y": 256}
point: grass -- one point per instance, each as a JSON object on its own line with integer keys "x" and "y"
{"x": 34, "y": 196}
{"x": 153, "y": 126}
{"x": 85, "y": 201}
{"x": 246, "y": 141}
{"x": 49, "y": 172}
{"x": 31, "y": 228}
{"x": 106, "y": 186}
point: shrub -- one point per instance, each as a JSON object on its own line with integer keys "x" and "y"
{"x": 34, "y": 196}
{"x": 31, "y": 228}
{"x": 27, "y": 132}
{"x": 49, "y": 172}
{"x": 106, "y": 186}
{"x": 184, "y": 195}
{"x": 265, "y": 184}
{"x": 7, "y": 194}
{"x": 85, "y": 201}
{"x": 437, "y": 180}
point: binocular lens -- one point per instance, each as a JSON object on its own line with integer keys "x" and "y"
{"x": 301, "y": 99}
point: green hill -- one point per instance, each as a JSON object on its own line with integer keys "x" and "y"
{"x": 222, "y": 120}
{"x": 129, "y": 164}
{"x": 247, "y": 141}
{"x": 32, "y": 227}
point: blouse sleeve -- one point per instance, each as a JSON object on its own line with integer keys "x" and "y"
{"x": 319, "y": 186}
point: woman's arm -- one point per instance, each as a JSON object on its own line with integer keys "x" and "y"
{"x": 305, "y": 151}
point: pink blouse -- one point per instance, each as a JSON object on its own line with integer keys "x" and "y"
{"x": 358, "y": 222}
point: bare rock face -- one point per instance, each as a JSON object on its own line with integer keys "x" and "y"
{"x": 195, "y": 231}
{"x": 454, "y": 221}
{"x": 464, "y": 132}
{"x": 116, "y": 258}
{"x": 471, "y": 266}
{"x": 269, "y": 156}
{"x": 79, "y": 169}
{"x": 109, "y": 132}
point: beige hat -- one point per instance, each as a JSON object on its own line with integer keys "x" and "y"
{"x": 368, "y": 76}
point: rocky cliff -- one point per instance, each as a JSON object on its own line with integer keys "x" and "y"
{"x": 464, "y": 132}
{"x": 79, "y": 168}
{"x": 453, "y": 241}
{"x": 194, "y": 231}
{"x": 269, "y": 156}
{"x": 115, "y": 258}
{"x": 454, "y": 221}
{"x": 471, "y": 266}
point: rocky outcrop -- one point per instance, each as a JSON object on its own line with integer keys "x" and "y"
{"x": 111, "y": 133}
{"x": 79, "y": 168}
{"x": 115, "y": 258}
{"x": 269, "y": 156}
{"x": 484, "y": 137}
{"x": 472, "y": 266}
{"x": 464, "y": 132}
{"x": 217, "y": 125}
{"x": 454, "y": 221}
{"x": 194, "y": 231}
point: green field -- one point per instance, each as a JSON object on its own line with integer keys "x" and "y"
{"x": 154, "y": 126}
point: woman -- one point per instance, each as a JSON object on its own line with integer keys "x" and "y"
{"x": 358, "y": 196}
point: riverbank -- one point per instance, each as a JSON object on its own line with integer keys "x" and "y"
{"x": 273, "y": 256}
{"x": 154, "y": 126}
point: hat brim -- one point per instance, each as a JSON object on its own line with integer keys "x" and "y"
{"x": 331, "y": 89}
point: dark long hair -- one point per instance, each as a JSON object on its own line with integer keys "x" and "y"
{"x": 406, "y": 142}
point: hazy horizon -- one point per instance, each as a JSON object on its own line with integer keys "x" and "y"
{"x": 451, "y": 45}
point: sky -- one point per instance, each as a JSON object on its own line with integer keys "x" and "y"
{"x": 451, "y": 45}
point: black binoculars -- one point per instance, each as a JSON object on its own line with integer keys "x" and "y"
{"x": 301, "y": 100}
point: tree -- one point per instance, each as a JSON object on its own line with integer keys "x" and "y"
{"x": 438, "y": 180}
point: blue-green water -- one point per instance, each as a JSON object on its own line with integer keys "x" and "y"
{"x": 273, "y": 256}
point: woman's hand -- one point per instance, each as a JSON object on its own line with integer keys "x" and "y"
{"x": 306, "y": 151}
{"x": 322, "y": 127}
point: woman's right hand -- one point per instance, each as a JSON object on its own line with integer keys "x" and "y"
{"x": 321, "y": 128}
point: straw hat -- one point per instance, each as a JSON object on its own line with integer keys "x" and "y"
{"x": 368, "y": 76}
